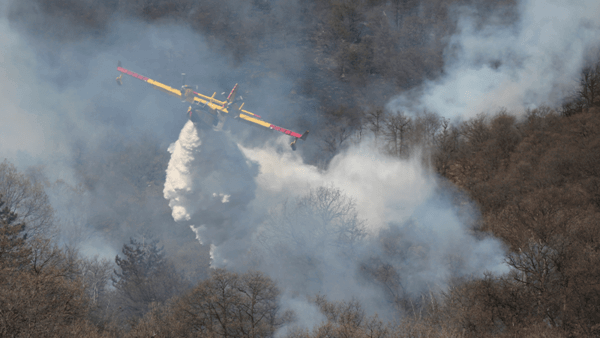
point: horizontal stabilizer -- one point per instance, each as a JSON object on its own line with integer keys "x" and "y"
{"x": 303, "y": 137}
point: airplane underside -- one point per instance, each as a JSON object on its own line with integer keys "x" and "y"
{"x": 206, "y": 118}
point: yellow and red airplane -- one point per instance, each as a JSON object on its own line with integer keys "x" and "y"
{"x": 211, "y": 111}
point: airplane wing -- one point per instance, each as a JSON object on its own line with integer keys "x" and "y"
{"x": 274, "y": 127}
{"x": 199, "y": 98}
{"x": 269, "y": 125}
{"x": 156, "y": 84}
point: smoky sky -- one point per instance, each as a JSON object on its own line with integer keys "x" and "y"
{"x": 63, "y": 110}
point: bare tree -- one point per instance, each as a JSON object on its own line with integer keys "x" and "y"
{"x": 447, "y": 145}
{"x": 27, "y": 198}
{"x": 476, "y": 131}
{"x": 396, "y": 130}
{"x": 306, "y": 238}
{"x": 336, "y": 135}
{"x": 375, "y": 120}
{"x": 343, "y": 123}
{"x": 345, "y": 319}
{"x": 589, "y": 83}
{"x": 38, "y": 295}
{"x": 426, "y": 126}
{"x": 95, "y": 274}
{"x": 232, "y": 305}
{"x": 322, "y": 218}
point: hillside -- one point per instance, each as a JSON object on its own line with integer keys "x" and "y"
{"x": 431, "y": 199}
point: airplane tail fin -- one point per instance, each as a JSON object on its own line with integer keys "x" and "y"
{"x": 303, "y": 138}
{"x": 231, "y": 96}
{"x": 120, "y": 77}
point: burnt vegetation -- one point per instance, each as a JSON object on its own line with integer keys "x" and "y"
{"x": 535, "y": 180}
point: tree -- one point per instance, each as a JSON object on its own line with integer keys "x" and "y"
{"x": 39, "y": 304}
{"x": 375, "y": 120}
{"x": 27, "y": 199}
{"x": 324, "y": 217}
{"x": 396, "y": 130}
{"x": 225, "y": 305}
{"x": 446, "y": 148}
{"x": 343, "y": 123}
{"x": 144, "y": 276}
{"x": 589, "y": 83}
{"x": 95, "y": 274}
{"x": 425, "y": 128}
{"x": 536, "y": 184}
{"x": 13, "y": 251}
{"x": 345, "y": 319}
{"x": 587, "y": 95}
{"x": 308, "y": 238}
{"x": 38, "y": 297}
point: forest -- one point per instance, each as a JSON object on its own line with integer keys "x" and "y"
{"x": 501, "y": 237}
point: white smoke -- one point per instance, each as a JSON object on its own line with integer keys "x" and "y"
{"x": 240, "y": 213}
{"x": 534, "y": 61}
{"x": 179, "y": 183}
{"x": 228, "y": 201}
{"x": 403, "y": 205}
{"x": 209, "y": 184}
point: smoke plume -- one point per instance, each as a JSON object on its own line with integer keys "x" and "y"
{"x": 532, "y": 60}
{"x": 327, "y": 232}
{"x": 209, "y": 184}
{"x": 180, "y": 173}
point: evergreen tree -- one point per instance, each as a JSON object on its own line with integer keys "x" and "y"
{"x": 144, "y": 276}
{"x": 13, "y": 251}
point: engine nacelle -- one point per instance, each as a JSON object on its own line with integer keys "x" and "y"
{"x": 187, "y": 94}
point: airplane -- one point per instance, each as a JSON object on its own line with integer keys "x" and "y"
{"x": 211, "y": 111}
